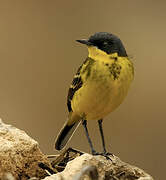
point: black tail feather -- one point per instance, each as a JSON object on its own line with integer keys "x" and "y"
{"x": 65, "y": 135}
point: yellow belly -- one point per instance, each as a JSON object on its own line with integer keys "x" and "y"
{"x": 101, "y": 93}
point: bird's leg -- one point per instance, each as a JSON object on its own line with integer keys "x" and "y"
{"x": 84, "y": 123}
{"x": 102, "y": 134}
{"x": 105, "y": 153}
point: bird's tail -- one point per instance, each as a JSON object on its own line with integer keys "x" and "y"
{"x": 66, "y": 132}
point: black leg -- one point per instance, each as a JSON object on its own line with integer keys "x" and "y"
{"x": 84, "y": 123}
{"x": 105, "y": 153}
{"x": 102, "y": 135}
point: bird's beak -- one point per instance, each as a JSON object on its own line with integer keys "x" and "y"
{"x": 84, "y": 41}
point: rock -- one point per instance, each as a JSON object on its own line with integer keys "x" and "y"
{"x": 99, "y": 168}
{"x": 19, "y": 154}
{"x": 20, "y": 157}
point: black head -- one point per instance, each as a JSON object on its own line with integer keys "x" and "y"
{"x": 106, "y": 42}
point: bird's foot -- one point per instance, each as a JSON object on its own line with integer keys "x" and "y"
{"x": 105, "y": 154}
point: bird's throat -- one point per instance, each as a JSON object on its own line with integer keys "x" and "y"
{"x": 97, "y": 54}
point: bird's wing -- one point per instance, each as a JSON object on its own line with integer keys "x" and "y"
{"x": 75, "y": 86}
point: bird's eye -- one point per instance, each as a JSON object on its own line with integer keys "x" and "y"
{"x": 105, "y": 43}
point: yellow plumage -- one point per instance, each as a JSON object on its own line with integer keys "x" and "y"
{"x": 99, "y": 86}
{"x": 101, "y": 93}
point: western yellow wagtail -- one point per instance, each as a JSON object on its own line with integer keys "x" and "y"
{"x": 99, "y": 86}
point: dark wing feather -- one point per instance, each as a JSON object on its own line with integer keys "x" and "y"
{"x": 75, "y": 85}
{"x": 78, "y": 83}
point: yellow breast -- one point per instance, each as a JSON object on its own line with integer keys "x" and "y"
{"x": 105, "y": 85}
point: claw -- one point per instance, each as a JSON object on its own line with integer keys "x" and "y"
{"x": 105, "y": 154}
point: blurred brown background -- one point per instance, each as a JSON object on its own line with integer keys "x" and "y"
{"x": 39, "y": 56}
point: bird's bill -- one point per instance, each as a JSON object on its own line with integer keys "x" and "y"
{"x": 84, "y": 41}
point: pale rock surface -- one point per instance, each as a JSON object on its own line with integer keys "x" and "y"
{"x": 19, "y": 154}
{"x": 99, "y": 168}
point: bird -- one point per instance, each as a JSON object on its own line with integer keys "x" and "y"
{"x": 99, "y": 86}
